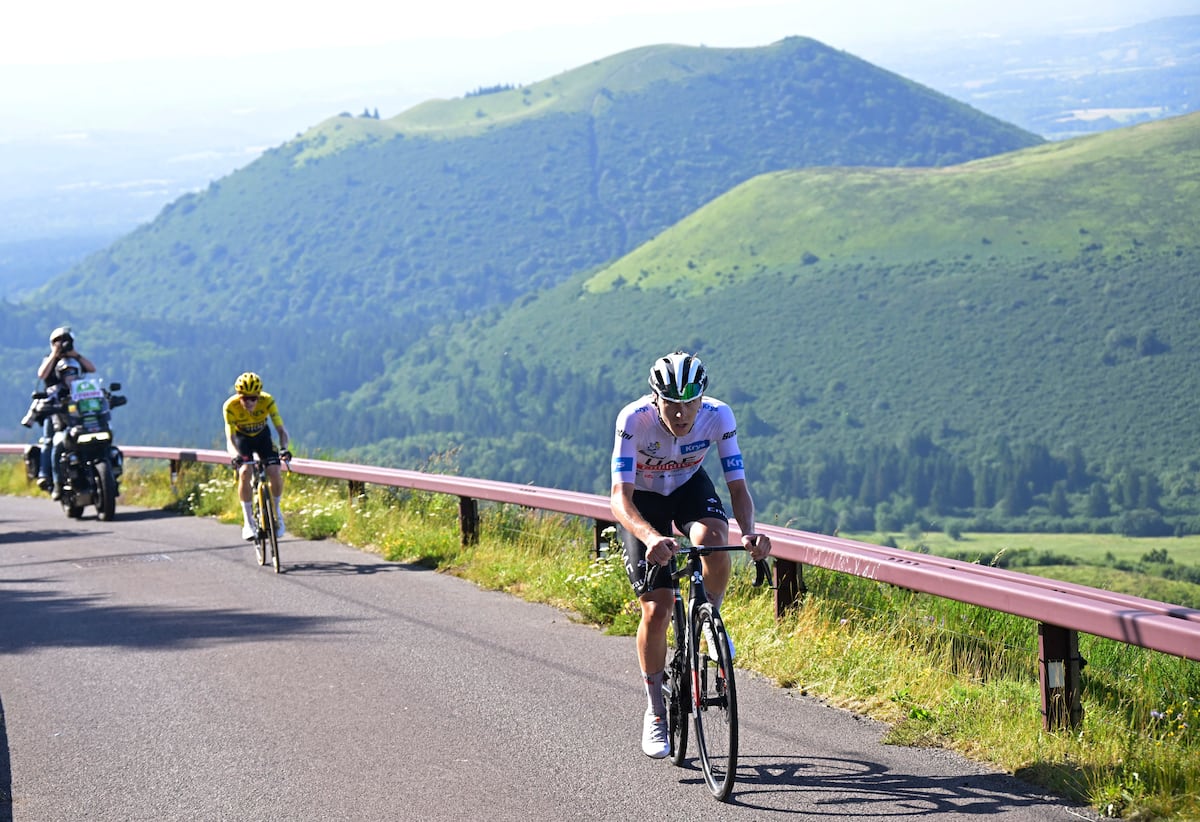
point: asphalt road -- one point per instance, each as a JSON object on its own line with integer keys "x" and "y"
{"x": 150, "y": 670}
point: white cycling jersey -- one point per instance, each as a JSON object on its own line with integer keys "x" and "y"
{"x": 646, "y": 454}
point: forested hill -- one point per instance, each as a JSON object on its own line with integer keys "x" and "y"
{"x": 334, "y": 253}
{"x": 456, "y": 205}
{"x": 1012, "y": 340}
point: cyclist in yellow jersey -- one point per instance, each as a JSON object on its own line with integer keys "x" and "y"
{"x": 246, "y": 433}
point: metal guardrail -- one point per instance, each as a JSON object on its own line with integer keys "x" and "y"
{"x": 1062, "y": 610}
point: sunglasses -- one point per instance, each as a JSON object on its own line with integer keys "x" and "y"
{"x": 689, "y": 392}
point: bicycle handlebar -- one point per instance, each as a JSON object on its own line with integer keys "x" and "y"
{"x": 237, "y": 462}
{"x": 762, "y": 571}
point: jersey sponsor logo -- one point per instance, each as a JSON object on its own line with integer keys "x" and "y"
{"x": 625, "y": 435}
{"x": 660, "y": 464}
{"x": 622, "y": 465}
{"x": 652, "y": 448}
{"x": 692, "y": 447}
{"x": 730, "y": 434}
{"x": 733, "y": 463}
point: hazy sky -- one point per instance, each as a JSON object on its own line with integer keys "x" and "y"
{"x": 76, "y": 64}
{"x": 85, "y": 31}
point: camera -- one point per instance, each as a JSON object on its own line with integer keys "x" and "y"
{"x": 67, "y": 343}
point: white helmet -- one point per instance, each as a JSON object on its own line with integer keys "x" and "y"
{"x": 678, "y": 377}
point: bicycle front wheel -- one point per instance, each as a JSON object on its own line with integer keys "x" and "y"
{"x": 714, "y": 708}
{"x": 260, "y": 524}
{"x": 270, "y": 525}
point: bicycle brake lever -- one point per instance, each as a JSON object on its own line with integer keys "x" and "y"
{"x": 762, "y": 573}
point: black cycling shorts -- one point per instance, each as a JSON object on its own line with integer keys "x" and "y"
{"x": 695, "y": 500}
{"x": 260, "y": 443}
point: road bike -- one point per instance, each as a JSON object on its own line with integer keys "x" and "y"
{"x": 700, "y": 679}
{"x": 265, "y": 521}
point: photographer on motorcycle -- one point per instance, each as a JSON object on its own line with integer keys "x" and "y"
{"x": 58, "y": 400}
{"x": 62, "y": 349}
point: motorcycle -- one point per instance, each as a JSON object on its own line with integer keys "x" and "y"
{"x": 90, "y": 464}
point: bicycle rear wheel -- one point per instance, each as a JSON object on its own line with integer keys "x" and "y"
{"x": 677, "y": 694}
{"x": 715, "y": 704}
{"x": 270, "y": 525}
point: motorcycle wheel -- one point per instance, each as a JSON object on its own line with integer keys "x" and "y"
{"x": 106, "y": 492}
{"x": 72, "y": 510}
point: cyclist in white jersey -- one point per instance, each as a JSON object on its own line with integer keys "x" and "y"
{"x": 658, "y": 483}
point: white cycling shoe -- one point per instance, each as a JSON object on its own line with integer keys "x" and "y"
{"x": 248, "y": 531}
{"x": 654, "y": 736}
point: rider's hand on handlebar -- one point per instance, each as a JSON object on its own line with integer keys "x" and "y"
{"x": 285, "y": 455}
{"x": 759, "y": 546}
{"x": 660, "y": 550}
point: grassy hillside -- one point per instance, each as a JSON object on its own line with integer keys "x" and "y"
{"x": 1043, "y": 300}
{"x": 1108, "y": 197}
{"x": 342, "y": 250}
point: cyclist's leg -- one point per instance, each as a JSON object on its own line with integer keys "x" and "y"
{"x": 702, "y": 517}
{"x": 245, "y": 449}
{"x": 656, "y": 601}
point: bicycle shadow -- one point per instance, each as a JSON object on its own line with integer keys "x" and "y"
{"x": 341, "y": 568}
{"x": 834, "y": 788}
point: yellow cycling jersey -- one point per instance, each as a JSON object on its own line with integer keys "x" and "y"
{"x": 239, "y": 419}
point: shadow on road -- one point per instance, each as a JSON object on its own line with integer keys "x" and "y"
{"x": 40, "y": 619}
{"x": 855, "y": 788}
{"x": 5, "y": 772}
{"x": 348, "y": 568}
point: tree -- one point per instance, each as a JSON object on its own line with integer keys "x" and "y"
{"x": 1059, "y": 506}
{"x": 1098, "y": 505}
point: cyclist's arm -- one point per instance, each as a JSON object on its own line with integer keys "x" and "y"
{"x": 659, "y": 548}
{"x": 227, "y": 418}
{"x": 277, "y": 421}
{"x": 759, "y": 545}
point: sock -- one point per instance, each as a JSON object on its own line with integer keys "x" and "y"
{"x": 278, "y": 510}
{"x": 654, "y": 694}
{"x": 248, "y": 512}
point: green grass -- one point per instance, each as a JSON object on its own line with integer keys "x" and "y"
{"x": 941, "y": 673}
{"x": 1093, "y": 549}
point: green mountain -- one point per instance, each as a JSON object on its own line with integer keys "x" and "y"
{"x": 908, "y": 303}
{"x": 334, "y": 253}
{"x": 1018, "y": 321}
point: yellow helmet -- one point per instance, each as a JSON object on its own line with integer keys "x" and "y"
{"x": 249, "y": 384}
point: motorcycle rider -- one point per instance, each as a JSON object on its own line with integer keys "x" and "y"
{"x": 62, "y": 348}
{"x": 59, "y": 399}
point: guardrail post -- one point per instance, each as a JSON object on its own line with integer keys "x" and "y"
{"x": 1059, "y": 664}
{"x": 468, "y": 520}
{"x": 174, "y": 475}
{"x": 355, "y": 488}
{"x": 789, "y": 585}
